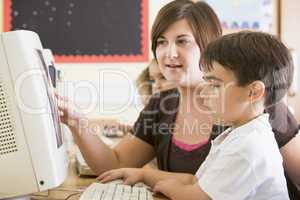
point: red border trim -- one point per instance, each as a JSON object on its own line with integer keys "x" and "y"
{"x": 98, "y": 58}
{"x": 7, "y": 15}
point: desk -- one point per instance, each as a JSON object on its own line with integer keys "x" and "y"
{"x": 73, "y": 185}
{"x": 71, "y": 188}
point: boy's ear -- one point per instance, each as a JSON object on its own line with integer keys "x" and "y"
{"x": 256, "y": 91}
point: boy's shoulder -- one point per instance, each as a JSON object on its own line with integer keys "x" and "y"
{"x": 248, "y": 153}
{"x": 252, "y": 140}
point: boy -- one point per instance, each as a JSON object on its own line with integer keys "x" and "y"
{"x": 245, "y": 73}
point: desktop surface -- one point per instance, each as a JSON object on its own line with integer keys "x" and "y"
{"x": 73, "y": 187}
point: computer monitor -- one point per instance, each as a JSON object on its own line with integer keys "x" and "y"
{"x": 32, "y": 152}
{"x": 50, "y": 63}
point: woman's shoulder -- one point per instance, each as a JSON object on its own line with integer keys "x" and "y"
{"x": 283, "y": 122}
{"x": 165, "y": 100}
{"x": 166, "y": 93}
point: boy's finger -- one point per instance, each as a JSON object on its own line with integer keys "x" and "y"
{"x": 129, "y": 181}
{"x": 157, "y": 188}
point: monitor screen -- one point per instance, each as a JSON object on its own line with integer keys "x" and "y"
{"x": 53, "y": 105}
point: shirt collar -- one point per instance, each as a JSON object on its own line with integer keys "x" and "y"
{"x": 260, "y": 122}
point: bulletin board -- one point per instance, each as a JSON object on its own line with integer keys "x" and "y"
{"x": 84, "y": 31}
{"x": 236, "y": 15}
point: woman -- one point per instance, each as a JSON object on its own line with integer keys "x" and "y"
{"x": 172, "y": 127}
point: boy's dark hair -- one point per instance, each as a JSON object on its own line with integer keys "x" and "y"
{"x": 254, "y": 56}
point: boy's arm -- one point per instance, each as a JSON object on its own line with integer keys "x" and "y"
{"x": 177, "y": 191}
{"x": 151, "y": 177}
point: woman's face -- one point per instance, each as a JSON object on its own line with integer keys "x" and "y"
{"x": 178, "y": 55}
{"x": 159, "y": 82}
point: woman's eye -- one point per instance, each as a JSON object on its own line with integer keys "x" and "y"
{"x": 161, "y": 42}
{"x": 183, "y": 41}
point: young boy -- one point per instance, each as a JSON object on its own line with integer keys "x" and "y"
{"x": 245, "y": 73}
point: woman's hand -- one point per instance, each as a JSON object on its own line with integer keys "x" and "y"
{"x": 68, "y": 114}
{"x": 130, "y": 176}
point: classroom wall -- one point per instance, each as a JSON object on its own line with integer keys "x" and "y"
{"x": 111, "y": 84}
{"x": 290, "y": 31}
{"x": 84, "y": 78}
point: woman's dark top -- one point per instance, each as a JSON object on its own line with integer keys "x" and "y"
{"x": 156, "y": 123}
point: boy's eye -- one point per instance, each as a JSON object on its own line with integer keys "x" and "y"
{"x": 214, "y": 85}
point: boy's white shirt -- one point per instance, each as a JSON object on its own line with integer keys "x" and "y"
{"x": 244, "y": 163}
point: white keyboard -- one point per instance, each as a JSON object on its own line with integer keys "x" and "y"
{"x": 99, "y": 191}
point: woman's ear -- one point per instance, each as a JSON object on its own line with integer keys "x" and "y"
{"x": 256, "y": 91}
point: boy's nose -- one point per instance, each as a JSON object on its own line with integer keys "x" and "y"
{"x": 205, "y": 92}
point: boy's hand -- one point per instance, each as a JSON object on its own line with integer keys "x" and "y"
{"x": 130, "y": 176}
{"x": 167, "y": 187}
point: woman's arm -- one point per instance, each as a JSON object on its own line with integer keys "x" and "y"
{"x": 131, "y": 152}
{"x": 291, "y": 159}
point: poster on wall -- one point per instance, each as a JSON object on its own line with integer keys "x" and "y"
{"x": 236, "y": 15}
{"x": 84, "y": 31}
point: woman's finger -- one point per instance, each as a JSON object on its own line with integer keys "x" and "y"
{"x": 112, "y": 176}
{"x": 103, "y": 175}
{"x": 61, "y": 113}
{"x": 108, "y": 173}
{"x": 59, "y": 97}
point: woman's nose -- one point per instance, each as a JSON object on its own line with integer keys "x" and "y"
{"x": 172, "y": 51}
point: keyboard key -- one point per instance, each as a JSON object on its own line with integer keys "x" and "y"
{"x": 99, "y": 191}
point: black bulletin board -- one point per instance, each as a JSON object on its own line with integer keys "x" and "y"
{"x": 84, "y": 30}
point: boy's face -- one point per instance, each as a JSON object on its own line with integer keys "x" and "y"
{"x": 226, "y": 101}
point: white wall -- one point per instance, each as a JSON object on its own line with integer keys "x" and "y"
{"x": 290, "y": 35}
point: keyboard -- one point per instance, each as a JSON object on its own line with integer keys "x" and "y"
{"x": 99, "y": 191}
